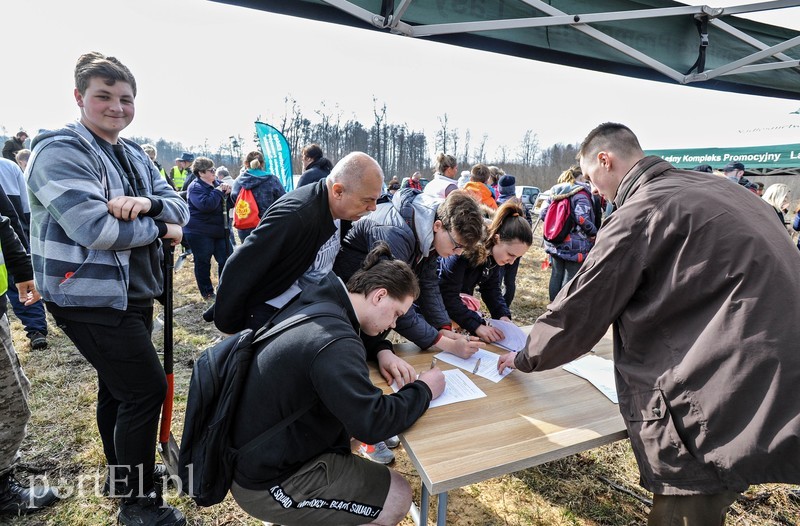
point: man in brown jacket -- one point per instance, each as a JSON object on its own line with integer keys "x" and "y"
{"x": 702, "y": 296}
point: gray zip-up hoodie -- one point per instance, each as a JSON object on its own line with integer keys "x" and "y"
{"x": 422, "y": 322}
{"x": 81, "y": 253}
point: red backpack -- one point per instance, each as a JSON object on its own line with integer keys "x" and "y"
{"x": 245, "y": 211}
{"x": 559, "y": 219}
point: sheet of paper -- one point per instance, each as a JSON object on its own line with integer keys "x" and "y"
{"x": 599, "y": 371}
{"x": 515, "y": 338}
{"x": 458, "y": 388}
{"x": 487, "y": 368}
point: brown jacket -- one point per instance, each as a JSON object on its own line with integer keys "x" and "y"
{"x": 702, "y": 287}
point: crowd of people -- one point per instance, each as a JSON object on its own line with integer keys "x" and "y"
{"x": 705, "y": 364}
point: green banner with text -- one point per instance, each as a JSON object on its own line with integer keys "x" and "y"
{"x": 753, "y": 157}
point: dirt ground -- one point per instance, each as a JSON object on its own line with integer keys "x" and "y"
{"x": 593, "y": 488}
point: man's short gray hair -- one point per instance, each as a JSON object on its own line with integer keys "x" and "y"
{"x": 353, "y": 168}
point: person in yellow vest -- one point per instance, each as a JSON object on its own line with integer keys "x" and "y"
{"x": 181, "y": 170}
{"x": 15, "y": 498}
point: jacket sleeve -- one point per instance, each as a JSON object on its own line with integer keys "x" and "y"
{"x": 8, "y": 210}
{"x": 17, "y": 260}
{"x": 204, "y": 197}
{"x": 796, "y": 221}
{"x": 341, "y": 378}
{"x": 451, "y": 281}
{"x": 252, "y": 266}
{"x": 69, "y": 185}
{"x": 430, "y": 299}
{"x": 175, "y": 210}
{"x": 422, "y": 322}
{"x": 584, "y": 213}
{"x": 491, "y": 294}
{"x": 603, "y": 287}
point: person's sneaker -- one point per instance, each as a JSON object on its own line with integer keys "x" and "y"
{"x": 38, "y": 340}
{"x": 377, "y": 453}
{"x": 16, "y": 499}
{"x": 160, "y": 474}
{"x": 150, "y": 510}
{"x": 393, "y": 442}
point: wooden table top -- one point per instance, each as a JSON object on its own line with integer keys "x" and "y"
{"x": 525, "y": 420}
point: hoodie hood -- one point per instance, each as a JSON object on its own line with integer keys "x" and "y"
{"x": 567, "y": 189}
{"x": 424, "y": 208}
{"x": 252, "y": 178}
{"x": 72, "y": 130}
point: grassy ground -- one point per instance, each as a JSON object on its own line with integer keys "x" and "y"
{"x": 597, "y": 487}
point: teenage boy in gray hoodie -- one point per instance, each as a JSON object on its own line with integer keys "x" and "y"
{"x": 99, "y": 214}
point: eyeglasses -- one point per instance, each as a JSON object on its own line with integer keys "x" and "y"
{"x": 456, "y": 246}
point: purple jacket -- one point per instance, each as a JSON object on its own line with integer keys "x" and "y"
{"x": 579, "y": 241}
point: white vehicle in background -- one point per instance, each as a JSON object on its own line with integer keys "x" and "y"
{"x": 528, "y": 195}
{"x": 539, "y": 203}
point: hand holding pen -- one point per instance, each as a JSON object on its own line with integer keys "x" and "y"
{"x": 434, "y": 379}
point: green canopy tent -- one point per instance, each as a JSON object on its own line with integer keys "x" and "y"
{"x": 649, "y": 39}
{"x": 781, "y": 159}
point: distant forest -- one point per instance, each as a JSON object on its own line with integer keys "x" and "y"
{"x": 397, "y": 148}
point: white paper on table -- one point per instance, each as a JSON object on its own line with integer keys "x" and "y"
{"x": 599, "y": 371}
{"x": 487, "y": 369}
{"x": 515, "y": 338}
{"x": 458, "y": 388}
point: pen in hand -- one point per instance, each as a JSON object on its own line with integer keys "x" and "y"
{"x": 433, "y": 363}
{"x": 477, "y": 366}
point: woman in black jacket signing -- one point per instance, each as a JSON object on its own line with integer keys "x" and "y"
{"x": 508, "y": 238}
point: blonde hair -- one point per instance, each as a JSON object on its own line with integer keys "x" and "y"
{"x": 776, "y": 195}
{"x": 256, "y": 156}
{"x": 570, "y": 175}
{"x": 444, "y": 161}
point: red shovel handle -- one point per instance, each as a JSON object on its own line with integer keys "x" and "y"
{"x": 166, "y": 411}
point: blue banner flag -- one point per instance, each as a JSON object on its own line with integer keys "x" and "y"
{"x": 277, "y": 156}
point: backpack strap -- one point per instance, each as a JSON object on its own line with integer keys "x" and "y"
{"x": 313, "y": 311}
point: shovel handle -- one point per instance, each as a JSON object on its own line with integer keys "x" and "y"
{"x": 166, "y": 411}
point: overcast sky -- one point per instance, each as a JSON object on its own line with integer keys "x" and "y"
{"x": 206, "y": 70}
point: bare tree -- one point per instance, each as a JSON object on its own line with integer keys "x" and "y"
{"x": 379, "y": 132}
{"x": 528, "y": 148}
{"x": 465, "y": 159}
{"x": 502, "y": 154}
{"x": 454, "y": 142}
{"x": 443, "y": 135}
{"x": 481, "y": 149}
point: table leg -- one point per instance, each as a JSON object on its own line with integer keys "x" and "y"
{"x": 424, "y": 505}
{"x": 441, "y": 514}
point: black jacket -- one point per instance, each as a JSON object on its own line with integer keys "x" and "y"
{"x": 280, "y": 249}
{"x": 11, "y": 147}
{"x": 17, "y": 261}
{"x": 317, "y": 170}
{"x": 300, "y": 365}
{"x": 457, "y": 275}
